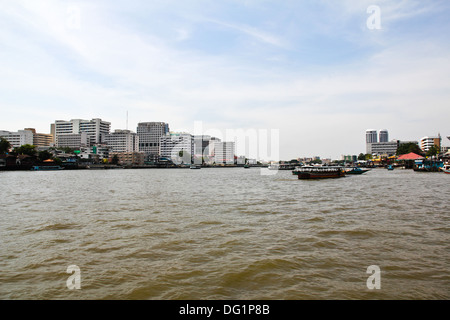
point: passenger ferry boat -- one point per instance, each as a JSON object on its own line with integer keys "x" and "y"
{"x": 312, "y": 172}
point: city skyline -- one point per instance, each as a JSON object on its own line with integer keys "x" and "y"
{"x": 314, "y": 71}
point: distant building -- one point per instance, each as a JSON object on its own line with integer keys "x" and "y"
{"x": 204, "y": 148}
{"x": 41, "y": 139}
{"x": 349, "y": 158}
{"x": 96, "y": 153}
{"x": 427, "y": 142}
{"x": 177, "y": 146}
{"x": 149, "y": 134}
{"x": 383, "y": 136}
{"x": 371, "y": 137}
{"x": 72, "y": 140}
{"x": 19, "y": 138}
{"x": 385, "y": 148}
{"x": 122, "y": 141}
{"x": 128, "y": 158}
{"x": 27, "y": 136}
{"x": 95, "y": 130}
{"x": 224, "y": 152}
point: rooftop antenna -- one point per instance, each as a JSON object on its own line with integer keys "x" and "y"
{"x": 127, "y": 119}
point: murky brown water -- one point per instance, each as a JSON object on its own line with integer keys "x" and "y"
{"x": 223, "y": 234}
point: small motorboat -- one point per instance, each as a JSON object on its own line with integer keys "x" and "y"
{"x": 356, "y": 170}
{"x": 446, "y": 168}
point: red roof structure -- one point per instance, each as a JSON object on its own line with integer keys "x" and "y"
{"x": 410, "y": 156}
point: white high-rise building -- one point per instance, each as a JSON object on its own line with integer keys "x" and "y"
{"x": 123, "y": 141}
{"x": 371, "y": 137}
{"x": 19, "y": 138}
{"x": 224, "y": 152}
{"x": 95, "y": 129}
{"x": 427, "y": 142}
{"x": 179, "y": 147}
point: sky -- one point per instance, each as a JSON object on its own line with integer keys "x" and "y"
{"x": 310, "y": 77}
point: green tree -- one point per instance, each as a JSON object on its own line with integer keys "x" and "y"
{"x": 434, "y": 150}
{"x": 409, "y": 147}
{"x": 115, "y": 159}
{"x": 361, "y": 156}
{"x": 58, "y": 161}
{"x": 44, "y": 155}
{"x": 26, "y": 149}
{"x": 4, "y": 145}
{"x": 315, "y": 161}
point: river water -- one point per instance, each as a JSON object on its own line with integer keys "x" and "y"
{"x": 223, "y": 233}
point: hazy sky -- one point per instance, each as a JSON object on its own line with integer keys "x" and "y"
{"x": 321, "y": 72}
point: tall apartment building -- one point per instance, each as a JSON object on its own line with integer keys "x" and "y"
{"x": 95, "y": 130}
{"x": 224, "y": 152}
{"x": 383, "y": 136}
{"x": 122, "y": 141}
{"x": 427, "y": 142}
{"x": 149, "y": 134}
{"x": 371, "y": 137}
{"x": 173, "y": 143}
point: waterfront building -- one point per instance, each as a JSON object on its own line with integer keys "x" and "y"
{"x": 224, "y": 152}
{"x": 385, "y": 148}
{"x": 204, "y": 148}
{"x": 97, "y": 152}
{"x": 149, "y": 134}
{"x": 27, "y": 136}
{"x": 371, "y": 137}
{"x": 123, "y": 141}
{"x": 427, "y": 142}
{"x": 128, "y": 158}
{"x": 41, "y": 139}
{"x": 72, "y": 140}
{"x": 177, "y": 146}
{"x": 19, "y": 138}
{"x": 95, "y": 129}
